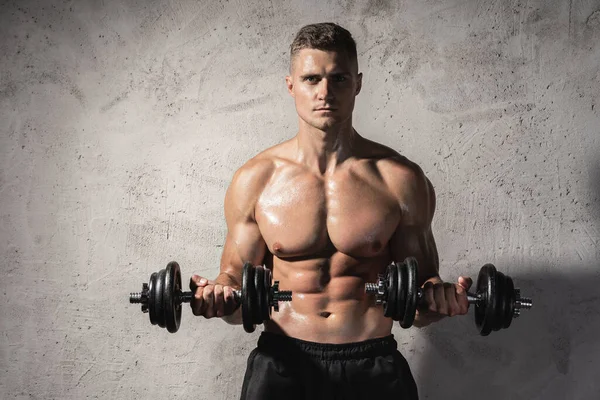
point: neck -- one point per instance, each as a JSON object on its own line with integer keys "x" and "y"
{"x": 324, "y": 150}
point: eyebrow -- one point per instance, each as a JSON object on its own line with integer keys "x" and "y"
{"x": 336, "y": 73}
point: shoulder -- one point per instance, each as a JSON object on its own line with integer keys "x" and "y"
{"x": 395, "y": 169}
{"x": 407, "y": 182}
{"x": 251, "y": 178}
{"x": 404, "y": 175}
{"x": 253, "y": 174}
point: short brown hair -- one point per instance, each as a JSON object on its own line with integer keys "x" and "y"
{"x": 325, "y": 36}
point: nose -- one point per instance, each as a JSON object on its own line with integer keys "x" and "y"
{"x": 324, "y": 91}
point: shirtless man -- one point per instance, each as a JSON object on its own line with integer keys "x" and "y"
{"x": 327, "y": 211}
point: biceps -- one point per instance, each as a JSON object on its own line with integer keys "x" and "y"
{"x": 243, "y": 243}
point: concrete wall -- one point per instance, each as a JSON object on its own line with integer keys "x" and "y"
{"x": 122, "y": 122}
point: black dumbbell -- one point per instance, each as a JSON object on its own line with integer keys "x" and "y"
{"x": 162, "y": 297}
{"x": 496, "y": 302}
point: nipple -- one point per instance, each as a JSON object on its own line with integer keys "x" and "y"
{"x": 277, "y": 247}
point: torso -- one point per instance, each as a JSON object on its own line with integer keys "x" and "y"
{"x": 328, "y": 235}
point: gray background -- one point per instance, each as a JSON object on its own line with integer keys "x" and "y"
{"x": 122, "y": 123}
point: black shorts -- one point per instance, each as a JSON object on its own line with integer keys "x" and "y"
{"x": 286, "y": 368}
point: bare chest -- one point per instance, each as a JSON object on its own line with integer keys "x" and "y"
{"x": 302, "y": 215}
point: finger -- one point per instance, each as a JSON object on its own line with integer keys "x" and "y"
{"x": 452, "y": 307}
{"x": 429, "y": 297}
{"x": 219, "y": 305}
{"x": 197, "y": 302}
{"x": 230, "y": 301}
{"x": 440, "y": 299}
{"x": 209, "y": 301}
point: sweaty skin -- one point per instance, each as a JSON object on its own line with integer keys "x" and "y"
{"x": 327, "y": 211}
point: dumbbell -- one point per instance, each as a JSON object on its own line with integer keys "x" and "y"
{"x": 496, "y": 301}
{"x": 162, "y": 297}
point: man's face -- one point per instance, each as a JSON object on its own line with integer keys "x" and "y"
{"x": 324, "y": 85}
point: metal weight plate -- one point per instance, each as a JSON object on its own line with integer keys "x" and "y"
{"x": 151, "y": 298}
{"x": 178, "y": 288}
{"x": 480, "y": 291}
{"x": 261, "y": 294}
{"x": 487, "y": 276}
{"x": 389, "y": 309}
{"x": 411, "y": 294}
{"x": 266, "y": 315}
{"x": 158, "y": 298}
{"x": 500, "y": 301}
{"x": 172, "y": 287}
{"x": 491, "y": 313}
{"x": 401, "y": 292}
{"x": 247, "y": 294}
{"x": 511, "y": 299}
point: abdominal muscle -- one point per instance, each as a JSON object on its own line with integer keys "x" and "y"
{"x": 329, "y": 303}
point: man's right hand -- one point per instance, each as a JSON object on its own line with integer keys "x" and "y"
{"x": 211, "y": 299}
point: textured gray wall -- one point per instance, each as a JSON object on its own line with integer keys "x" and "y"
{"x": 122, "y": 122}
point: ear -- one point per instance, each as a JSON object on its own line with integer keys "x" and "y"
{"x": 358, "y": 83}
{"x": 290, "y": 85}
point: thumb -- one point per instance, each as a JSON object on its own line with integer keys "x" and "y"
{"x": 465, "y": 282}
{"x": 199, "y": 280}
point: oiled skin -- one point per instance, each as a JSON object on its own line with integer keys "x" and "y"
{"x": 328, "y": 235}
{"x": 328, "y": 210}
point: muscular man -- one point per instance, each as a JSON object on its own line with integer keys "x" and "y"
{"x": 327, "y": 211}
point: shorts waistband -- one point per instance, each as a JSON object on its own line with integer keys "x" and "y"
{"x": 276, "y": 343}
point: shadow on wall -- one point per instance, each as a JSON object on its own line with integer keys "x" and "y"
{"x": 551, "y": 352}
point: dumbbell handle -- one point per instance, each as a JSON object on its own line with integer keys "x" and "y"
{"x": 186, "y": 297}
{"x": 182, "y": 297}
{"x": 280, "y": 295}
{"x": 473, "y": 298}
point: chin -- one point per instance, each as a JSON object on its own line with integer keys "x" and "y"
{"x": 324, "y": 123}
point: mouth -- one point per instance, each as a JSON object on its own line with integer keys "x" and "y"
{"x": 325, "y": 109}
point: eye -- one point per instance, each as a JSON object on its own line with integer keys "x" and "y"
{"x": 339, "y": 78}
{"x": 311, "y": 79}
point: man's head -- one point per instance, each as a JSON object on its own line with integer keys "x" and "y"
{"x": 324, "y": 78}
{"x": 325, "y": 36}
